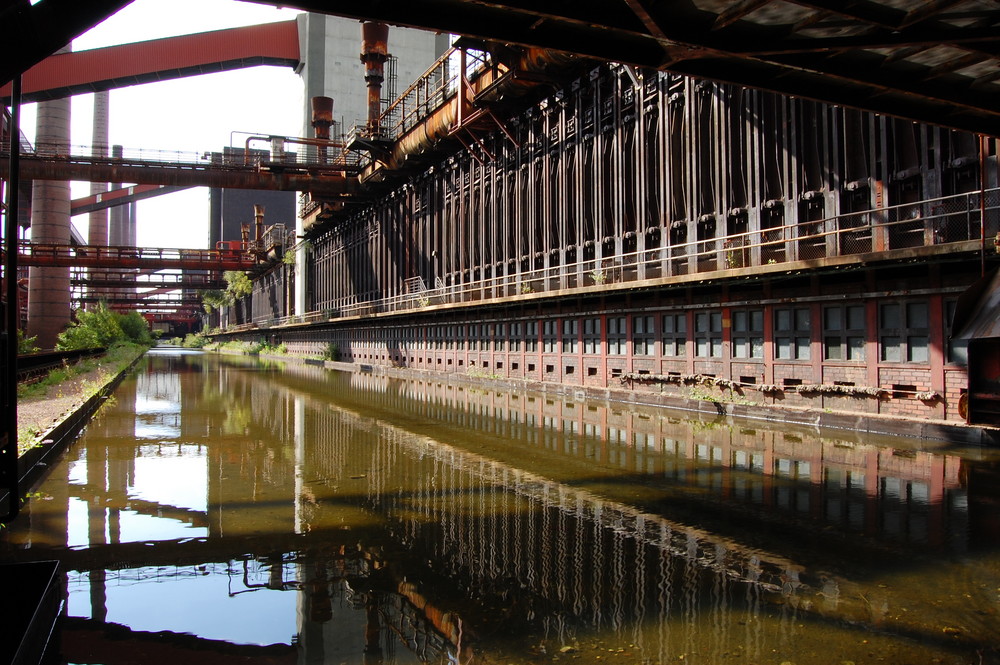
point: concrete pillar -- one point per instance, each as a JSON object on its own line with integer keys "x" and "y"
{"x": 116, "y": 230}
{"x": 98, "y": 220}
{"x": 130, "y": 235}
{"x": 48, "y": 288}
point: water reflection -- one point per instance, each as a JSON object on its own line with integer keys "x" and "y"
{"x": 236, "y": 509}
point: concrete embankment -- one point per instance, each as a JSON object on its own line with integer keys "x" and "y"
{"x": 932, "y": 430}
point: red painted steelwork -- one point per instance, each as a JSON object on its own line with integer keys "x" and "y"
{"x": 150, "y": 258}
{"x": 118, "y": 197}
{"x": 161, "y": 59}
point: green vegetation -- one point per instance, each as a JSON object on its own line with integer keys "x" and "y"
{"x": 194, "y": 340}
{"x": 102, "y": 327}
{"x": 118, "y": 356}
{"x": 26, "y": 344}
{"x": 80, "y": 381}
{"x": 332, "y": 351}
{"x": 483, "y": 373}
{"x": 238, "y": 285}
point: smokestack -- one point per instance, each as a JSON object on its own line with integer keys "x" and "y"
{"x": 322, "y": 118}
{"x": 374, "y": 53}
{"x": 258, "y": 219}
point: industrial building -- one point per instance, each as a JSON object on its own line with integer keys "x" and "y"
{"x": 535, "y": 216}
{"x": 695, "y": 216}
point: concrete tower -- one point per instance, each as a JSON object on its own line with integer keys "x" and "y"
{"x": 332, "y": 67}
{"x": 98, "y": 220}
{"x": 48, "y": 288}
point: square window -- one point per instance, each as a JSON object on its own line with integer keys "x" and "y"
{"x": 856, "y": 317}
{"x": 916, "y": 315}
{"x": 891, "y": 317}
{"x": 855, "y": 348}
{"x": 802, "y": 319}
{"x": 832, "y": 348}
{"x": 891, "y": 349}
{"x": 832, "y": 319}
{"x": 917, "y": 349}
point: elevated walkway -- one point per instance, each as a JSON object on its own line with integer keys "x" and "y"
{"x": 285, "y": 172}
{"x": 146, "y": 258}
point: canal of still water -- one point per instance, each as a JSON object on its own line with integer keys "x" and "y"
{"x": 228, "y": 509}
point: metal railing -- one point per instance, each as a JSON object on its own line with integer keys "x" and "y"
{"x": 931, "y": 223}
{"x": 280, "y": 156}
{"x": 428, "y": 93}
{"x": 153, "y": 258}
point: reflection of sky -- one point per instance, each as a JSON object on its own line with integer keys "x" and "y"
{"x": 168, "y": 476}
{"x": 157, "y": 406}
{"x": 195, "y": 600}
{"x": 175, "y": 476}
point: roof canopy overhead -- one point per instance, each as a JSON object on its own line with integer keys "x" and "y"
{"x": 934, "y": 61}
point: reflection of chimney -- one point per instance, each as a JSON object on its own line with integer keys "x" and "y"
{"x": 322, "y": 118}
{"x": 374, "y": 53}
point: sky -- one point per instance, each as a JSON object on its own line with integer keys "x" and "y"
{"x": 196, "y": 114}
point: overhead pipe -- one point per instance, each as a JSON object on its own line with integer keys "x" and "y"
{"x": 374, "y": 53}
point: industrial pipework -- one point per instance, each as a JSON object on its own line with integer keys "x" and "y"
{"x": 322, "y": 119}
{"x": 374, "y": 53}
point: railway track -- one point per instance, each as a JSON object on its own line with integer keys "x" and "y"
{"x": 32, "y": 367}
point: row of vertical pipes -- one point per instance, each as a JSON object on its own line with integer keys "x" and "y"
{"x": 607, "y": 168}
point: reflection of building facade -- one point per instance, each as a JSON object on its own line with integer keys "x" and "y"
{"x": 332, "y": 487}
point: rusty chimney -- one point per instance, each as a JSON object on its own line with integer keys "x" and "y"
{"x": 322, "y": 118}
{"x": 258, "y": 219}
{"x": 374, "y": 53}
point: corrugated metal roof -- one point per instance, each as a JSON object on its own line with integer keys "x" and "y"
{"x": 934, "y": 61}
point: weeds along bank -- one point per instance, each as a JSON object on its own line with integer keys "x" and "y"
{"x": 44, "y": 405}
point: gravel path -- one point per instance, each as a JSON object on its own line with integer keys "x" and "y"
{"x": 40, "y": 414}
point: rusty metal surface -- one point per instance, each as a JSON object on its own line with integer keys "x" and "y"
{"x": 374, "y": 53}
{"x": 148, "y": 258}
{"x": 277, "y": 176}
{"x": 118, "y": 197}
{"x": 32, "y": 32}
{"x": 130, "y": 279}
{"x": 62, "y": 75}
